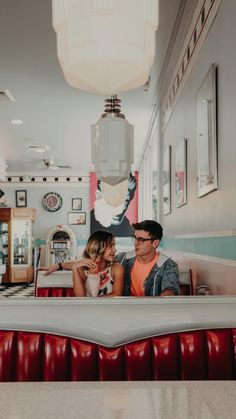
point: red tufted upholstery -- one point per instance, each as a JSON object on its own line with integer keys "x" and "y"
{"x": 55, "y": 292}
{"x": 198, "y": 355}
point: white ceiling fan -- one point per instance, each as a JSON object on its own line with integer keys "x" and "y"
{"x": 50, "y": 164}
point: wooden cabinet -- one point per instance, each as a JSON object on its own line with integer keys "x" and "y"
{"x": 16, "y": 243}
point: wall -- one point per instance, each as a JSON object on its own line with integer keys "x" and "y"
{"x": 215, "y": 211}
{"x": 46, "y": 220}
{"x": 212, "y": 215}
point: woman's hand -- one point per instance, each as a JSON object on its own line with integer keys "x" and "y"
{"x": 84, "y": 263}
{"x": 80, "y": 276}
{"x": 49, "y": 269}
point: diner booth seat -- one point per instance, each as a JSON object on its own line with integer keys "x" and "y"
{"x": 168, "y": 338}
{"x": 55, "y": 292}
{"x": 194, "y": 355}
{"x": 58, "y": 284}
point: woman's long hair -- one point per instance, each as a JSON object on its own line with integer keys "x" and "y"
{"x": 97, "y": 243}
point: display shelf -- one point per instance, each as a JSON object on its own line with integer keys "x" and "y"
{"x": 16, "y": 243}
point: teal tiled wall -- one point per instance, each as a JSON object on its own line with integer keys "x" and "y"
{"x": 221, "y": 247}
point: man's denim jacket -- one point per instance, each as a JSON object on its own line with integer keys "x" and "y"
{"x": 164, "y": 275}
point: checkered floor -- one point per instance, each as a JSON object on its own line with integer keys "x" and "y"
{"x": 17, "y": 291}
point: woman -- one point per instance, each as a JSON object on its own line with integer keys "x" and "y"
{"x": 96, "y": 273}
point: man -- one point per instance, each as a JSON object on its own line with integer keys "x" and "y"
{"x": 148, "y": 272}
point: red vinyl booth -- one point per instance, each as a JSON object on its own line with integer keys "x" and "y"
{"x": 208, "y": 354}
{"x": 55, "y": 292}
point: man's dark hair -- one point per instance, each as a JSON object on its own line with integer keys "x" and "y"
{"x": 152, "y": 227}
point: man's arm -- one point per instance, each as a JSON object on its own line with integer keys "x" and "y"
{"x": 170, "y": 279}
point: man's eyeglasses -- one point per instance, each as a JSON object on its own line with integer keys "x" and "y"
{"x": 140, "y": 239}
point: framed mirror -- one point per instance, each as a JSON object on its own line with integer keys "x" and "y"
{"x": 166, "y": 180}
{"x": 206, "y": 122}
{"x": 181, "y": 174}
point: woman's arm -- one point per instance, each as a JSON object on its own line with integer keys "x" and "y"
{"x": 117, "y": 273}
{"x": 68, "y": 266}
{"x": 79, "y": 279}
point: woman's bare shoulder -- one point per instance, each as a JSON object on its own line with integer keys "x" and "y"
{"x": 117, "y": 267}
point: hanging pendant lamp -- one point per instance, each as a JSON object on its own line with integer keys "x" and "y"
{"x": 105, "y": 46}
{"x": 112, "y": 144}
{"x": 3, "y": 167}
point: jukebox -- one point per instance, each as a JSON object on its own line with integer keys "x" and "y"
{"x": 60, "y": 245}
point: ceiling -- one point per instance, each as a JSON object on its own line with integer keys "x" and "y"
{"x": 54, "y": 113}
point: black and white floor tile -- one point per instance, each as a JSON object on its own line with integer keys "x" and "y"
{"x": 17, "y": 291}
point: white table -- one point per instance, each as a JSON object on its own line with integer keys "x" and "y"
{"x": 123, "y": 400}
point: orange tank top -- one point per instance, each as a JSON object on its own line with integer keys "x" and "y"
{"x": 139, "y": 273}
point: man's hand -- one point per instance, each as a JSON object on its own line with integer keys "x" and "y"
{"x": 167, "y": 293}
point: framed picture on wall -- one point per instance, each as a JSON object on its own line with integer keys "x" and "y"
{"x": 206, "y": 120}
{"x": 76, "y": 204}
{"x": 77, "y": 218}
{"x": 181, "y": 174}
{"x": 166, "y": 180}
{"x": 154, "y": 195}
{"x": 21, "y": 198}
{"x": 114, "y": 208}
{"x": 3, "y": 200}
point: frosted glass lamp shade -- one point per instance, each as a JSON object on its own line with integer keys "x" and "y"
{"x": 112, "y": 149}
{"x": 105, "y": 46}
{"x": 3, "y": 168}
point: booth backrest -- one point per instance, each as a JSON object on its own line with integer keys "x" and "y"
{"x": 59, "y": 284}
{"x": 193, "y": 355}
{"x": 185, "y": 280}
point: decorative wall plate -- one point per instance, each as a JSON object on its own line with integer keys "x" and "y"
{"x": 52, "y": 201}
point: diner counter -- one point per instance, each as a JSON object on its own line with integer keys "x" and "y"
{"x": 119, "y": 400}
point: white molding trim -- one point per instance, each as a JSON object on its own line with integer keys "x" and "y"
{"x": 117, "y": 321}
{"x": 156, "y": 109}
{"x": 167, "y": 106}
{"x": 203, "y": 18}
{"x": 170, "y": 49}
{"x": 35, "y": 180}
{"x": 154, "y": 123}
